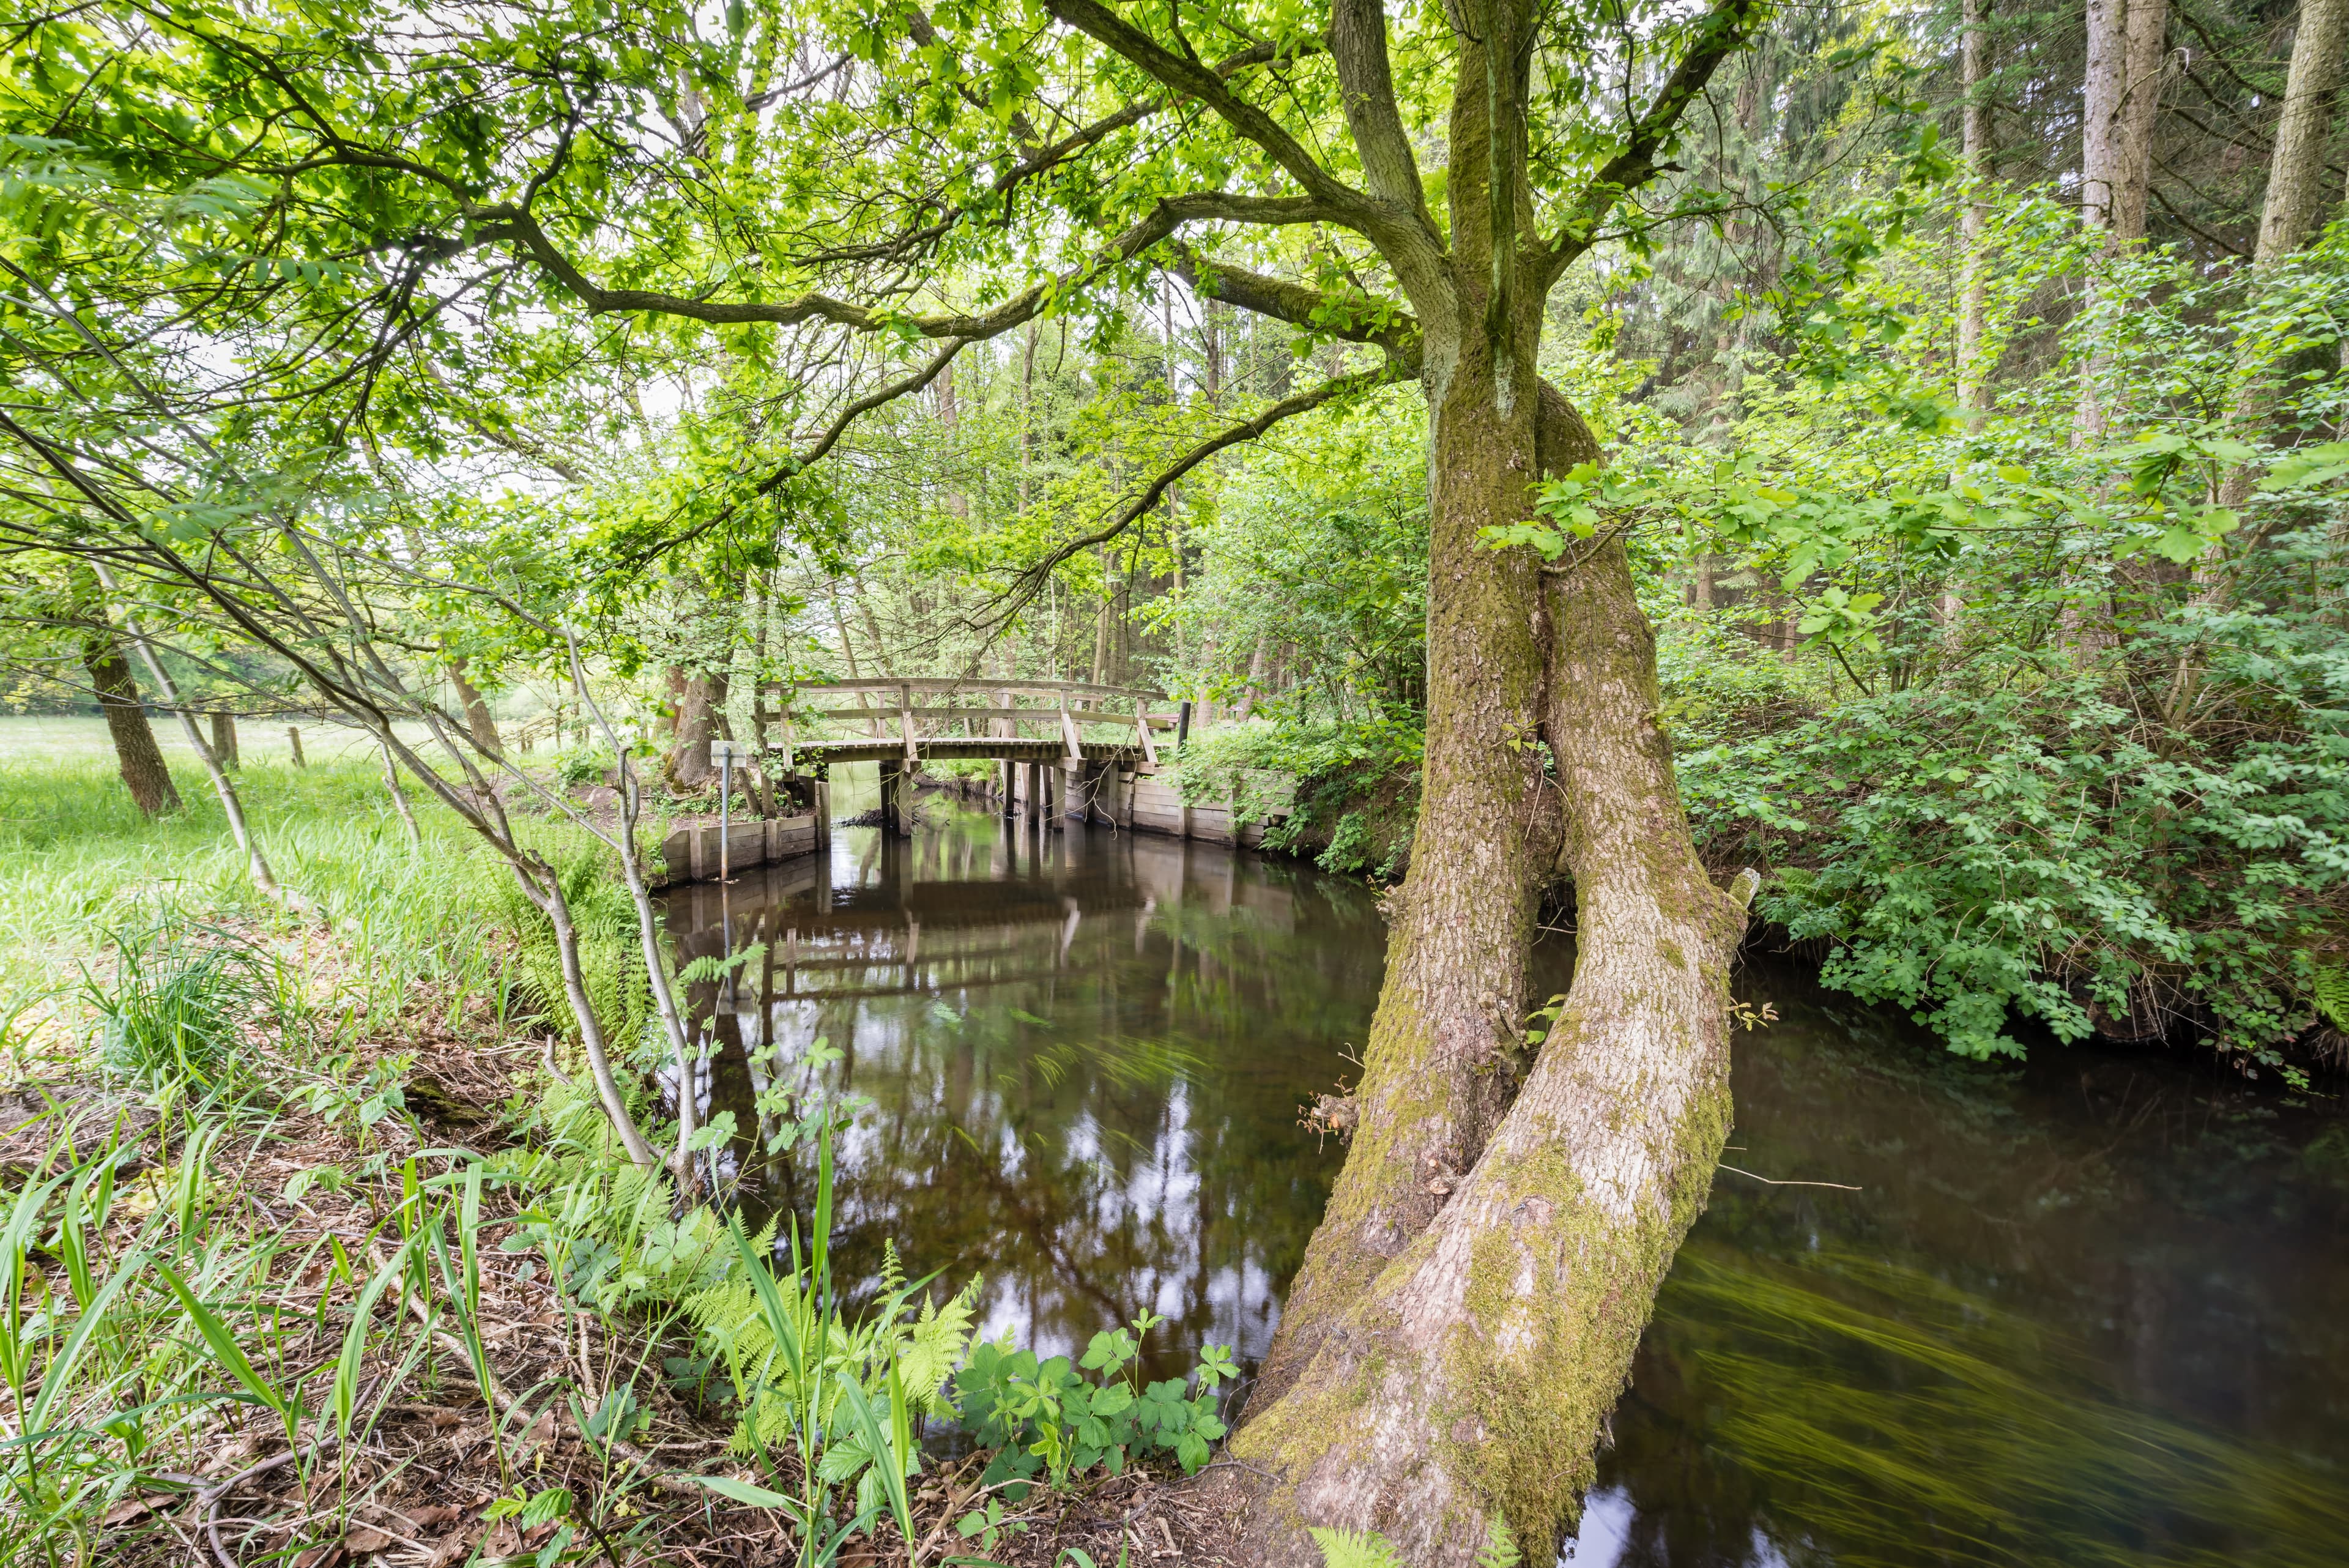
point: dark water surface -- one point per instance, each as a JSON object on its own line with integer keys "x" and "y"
{"x": 2093, "y": 1311}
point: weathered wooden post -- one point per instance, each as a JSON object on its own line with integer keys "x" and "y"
{"x": 224, "y": 736}
{"x": 722, "y": 754}
{"x": 294, "y": 740}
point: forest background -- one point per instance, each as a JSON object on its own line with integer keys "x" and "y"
{"x": 1970, "y": 384}
{"x": 1987, "y": 626}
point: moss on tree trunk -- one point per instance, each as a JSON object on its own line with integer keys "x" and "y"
{"x": 1446, "y": 1374}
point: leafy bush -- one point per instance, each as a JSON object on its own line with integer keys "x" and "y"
{"x": 1350, "y": 790}
{"x": 1046, "y": 1416}
{"x": 2052, "y": 851}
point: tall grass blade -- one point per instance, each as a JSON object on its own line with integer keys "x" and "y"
{"x": 347, "y": 1365}
{"x": 59, "y": 1372}
{"x": 225, "y": 1348}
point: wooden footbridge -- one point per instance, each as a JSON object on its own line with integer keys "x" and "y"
{"x": 1067, "y": 751}
{"x": 910, "y": 722}
{"x": 1066, "y": 748}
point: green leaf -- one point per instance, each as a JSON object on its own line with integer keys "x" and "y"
{"x": 741, "y": 1490}
{"x": 223, "y": 1342}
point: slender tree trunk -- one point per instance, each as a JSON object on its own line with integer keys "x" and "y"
{"x": 1254, "y": 680}
{"x": 2295, "y": 204}
{"x": 478, "y": 721}
{"x": 2120, "y": 92}
{"x": 545, "y": 890}
{"x": 1972, "y": 374}
{"x": 256, "y": 865}
{"x": 950, "y": 424}
{"x": 399, "y": 798}
{"x": 2292, "y": 212}
{"x": 1101, "y": 621}
{"x": 136, "y": 753}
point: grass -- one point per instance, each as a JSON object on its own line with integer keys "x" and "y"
{"x": 299, "y": 1245}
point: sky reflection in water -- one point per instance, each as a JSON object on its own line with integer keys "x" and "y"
{"x": 2083, "y": 1313}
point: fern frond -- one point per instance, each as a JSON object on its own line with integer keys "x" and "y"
{"x": 2331, "y": 994}
{"x": 1354, "y": 1549}
{"x": 1500, "y": 1549}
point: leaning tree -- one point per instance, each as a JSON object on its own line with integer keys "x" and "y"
{"x": 361, "y": 192}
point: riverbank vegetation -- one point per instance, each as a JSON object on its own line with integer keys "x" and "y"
{"x": 1637, "y": 468}
{"x": 320, "y": 1244}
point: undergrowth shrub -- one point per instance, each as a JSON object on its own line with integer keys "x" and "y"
{"x": 2057, "y": 852}
{"x": 1351, "y": 791}
{"x": 1047, "y": 1416}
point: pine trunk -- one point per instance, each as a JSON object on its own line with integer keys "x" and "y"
{"x": 2295, "y": 202}
{"x": 1972, "y": 374}
{"x": 2119, "y": 93}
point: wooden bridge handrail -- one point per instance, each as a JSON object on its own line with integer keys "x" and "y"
{"x": 977, "y": 686}
{"x": 1034, "y": 715}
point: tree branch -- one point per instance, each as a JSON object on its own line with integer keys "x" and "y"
{"x": 1192, "y": 78}
{"x": 1384, "y": 325}
{"x": 1031, "y": 579}
{"x": 512, "y": 224}
{"x": 1358, "y": 47}
{"x": 1718, "y": 33}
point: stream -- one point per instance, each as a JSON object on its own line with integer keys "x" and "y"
{"x": 2090, "y": 1309}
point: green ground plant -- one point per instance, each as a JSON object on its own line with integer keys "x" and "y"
{"x": 1047, "y": 1417}
{"x": 2045, "y": 852}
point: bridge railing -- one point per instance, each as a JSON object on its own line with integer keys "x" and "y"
{"x": 911, "y": 709}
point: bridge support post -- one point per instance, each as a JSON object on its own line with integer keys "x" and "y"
{"x": 1010, "y": 789}
{"x": 889, "y": 772}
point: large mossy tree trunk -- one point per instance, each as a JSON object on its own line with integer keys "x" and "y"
{"x": 700, "y": 719}
{"x": 1469, "y": 1308}
{"x": 1436, "y": 1073}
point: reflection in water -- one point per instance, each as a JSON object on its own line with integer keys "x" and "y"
{"x": 2082, "y": 1313}
{"x": 1085, "y": 1051}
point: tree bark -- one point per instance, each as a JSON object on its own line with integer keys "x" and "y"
{"x": 231, "y": 806}
{"x": 2119, "y": 94}
{"x": 1972, "y": 374}
{"x": 700, "y": 715}
{"x": 2295, "y": 206}
{"x": 136, "y": 753}
{"x": 478, "y": 721}
{"x": 1454, "y": 1342}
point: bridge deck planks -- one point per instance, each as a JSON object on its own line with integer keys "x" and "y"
{"x": 957, "y": 749}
